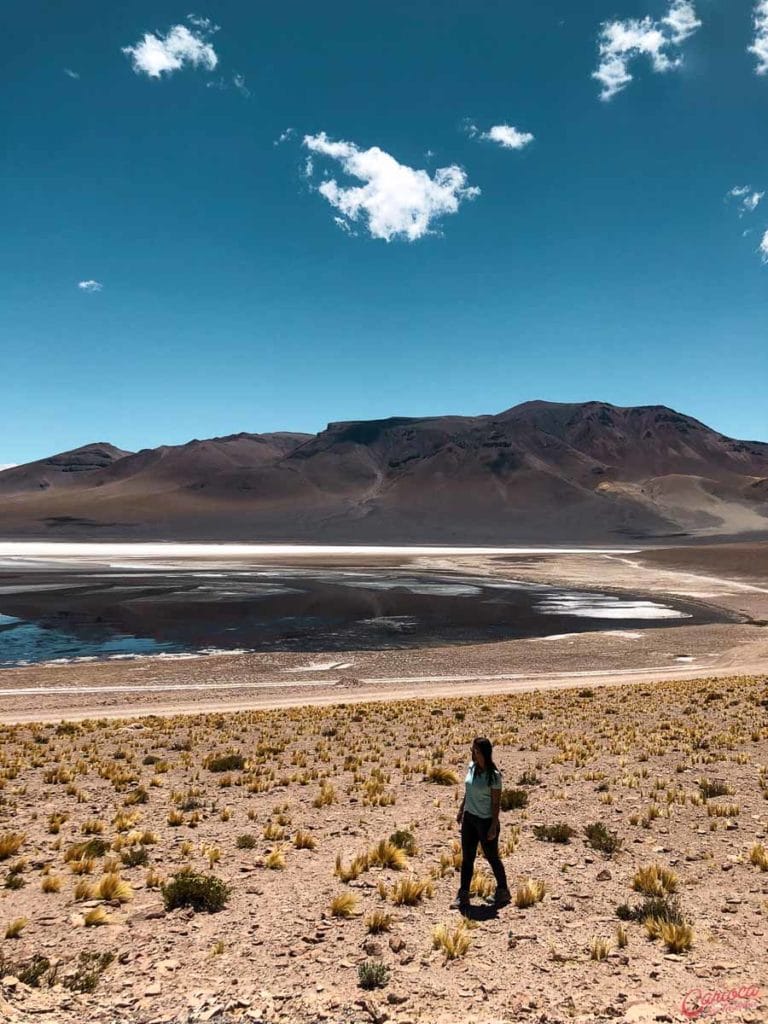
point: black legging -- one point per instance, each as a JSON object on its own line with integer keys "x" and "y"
{"x": 473, "y": 831}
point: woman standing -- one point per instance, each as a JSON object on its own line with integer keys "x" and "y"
{"x": 479, "y": 820}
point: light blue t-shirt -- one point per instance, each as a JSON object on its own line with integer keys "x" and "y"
{"x": 477, "y": 792}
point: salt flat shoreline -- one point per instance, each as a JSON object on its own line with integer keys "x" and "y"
{"x": 269, "y": 679}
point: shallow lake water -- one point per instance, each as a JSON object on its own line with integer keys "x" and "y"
{"x": 51, "y": 612}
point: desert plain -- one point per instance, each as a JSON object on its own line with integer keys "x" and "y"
{"x": 308, "y": 801}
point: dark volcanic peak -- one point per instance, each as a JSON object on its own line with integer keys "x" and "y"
{"x": 63, "y": 470}
{"x": 549, "y": 472}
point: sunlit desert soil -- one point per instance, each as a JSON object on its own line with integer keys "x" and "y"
{"x": 333, "y": 830}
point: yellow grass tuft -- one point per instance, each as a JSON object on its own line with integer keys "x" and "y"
{"x": 482, "y": 883}
{"x": 758, "y": 856}
{"x": 275, "y": 860}
{"x": 654, "y": 880}
{"x": 408, "y": 892}
{"x": 454, "y": 942}
{"x": 349, "y": 872}
{"x": 10, "y": 844}
{"x": 14, "y": 928}
{"x": 113, "y": 887}
{"x": 599, "y": 948}
{"x": 378, "y": 921}
{"x": 97, "y": 916}
{"x": 85, "y": 891}
{"x": 529, "y": 892}
{"x": 343, "y": 905}
{"x": 386, "y": 855}
{"x": 677, "y": 937}
{"x": 304, "y": 840}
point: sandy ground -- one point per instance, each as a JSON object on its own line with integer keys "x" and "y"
{"x": 601, "y": 738}
{"x": 276, "y": 952}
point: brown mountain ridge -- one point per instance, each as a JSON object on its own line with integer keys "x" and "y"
{"x": 541, "y": 472}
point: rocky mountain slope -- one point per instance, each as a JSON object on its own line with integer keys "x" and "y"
{"x": 540, "y": 472}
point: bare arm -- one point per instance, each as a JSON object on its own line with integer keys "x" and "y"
{"x": 460, "y": 813}
{"x": 493, "y": 828}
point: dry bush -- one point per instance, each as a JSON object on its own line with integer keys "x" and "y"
{"x": 113, "y": 888}
{"x": 10, "y": 844}
{"x": 530, "y": 892}
{"x": 452, "y": 941}
{"x": 409, "y": 892}
{"x": 14, "y": 928}
{"x": 343, "y": 905}
{"x": 654, "y": 880}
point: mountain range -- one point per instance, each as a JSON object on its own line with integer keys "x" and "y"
{"x": 540, "y": 472}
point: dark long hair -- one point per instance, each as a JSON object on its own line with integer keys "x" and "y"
{"x": 485, "y": 747}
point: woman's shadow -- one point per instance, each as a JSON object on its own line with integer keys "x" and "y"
{"x": 486, "y": 912}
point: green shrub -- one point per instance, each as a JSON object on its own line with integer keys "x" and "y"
{"x": 559, "y": 833}
{"x": 245, "y": 842}
{"x": 601, "y": 838}
{"x": 372, "y": 974}
{"x": 404, "y": 840}
{"x": 201, "y": 892}
{"x": 664, "y": 908}
{"x": 136, "y": 857}
{"x": 513, "y": 799}
{"x": 709, "y": 787}
{"x": 90, "y": 968}
{"x": 225, "y": 763}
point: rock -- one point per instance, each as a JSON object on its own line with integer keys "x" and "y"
{"x": 396, "y": 998}
{"x": 640, "y": 1012}
{"x": 604, "y": 876}
{"x": 396, "y": 944}
{"x": 373, "y": 948}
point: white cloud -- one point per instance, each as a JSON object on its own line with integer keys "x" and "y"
{"x": 621, "y": 42}
{"x": 284, "y": 136}
{"x": 70, "y": 73}
{"x": 682, "y": 20}
{"x": 763, "y": 250}
{"x": 7, "y": 465}
{"x": 179, "y": 46}
{"x": 505, "y": 135}
{"x": 395, "y": 201}
{"x": 748, "y": 200}
{"x": 760, "y": 46}
{"x": 90, "y": 286}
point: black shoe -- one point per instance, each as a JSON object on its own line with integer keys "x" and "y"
{"x": 502, "y": 897}
{"x": 462, "y": 900}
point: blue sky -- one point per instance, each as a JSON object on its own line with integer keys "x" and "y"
{"x": 601, "y": 260}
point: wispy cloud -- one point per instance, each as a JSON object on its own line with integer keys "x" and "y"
{"x": 395, "y": 201}
{"x": 748, "y": 200}
{"x": 284, "y": 136}
{"x": 239, "y": 83}
{"x": 155, "y": 54}
{"x": 90, "y": 286}
{"x": 70, "y": 73}
{"x": 621, "y": 42}
{"x": 504, "y": 135}
{"x": 763, "y": 249}
{"x": 760, "y": 45}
